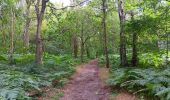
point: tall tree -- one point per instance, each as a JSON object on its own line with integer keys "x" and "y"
{"x": 75, "y": 45}
{"x": 134, "y": 60}
{"x": 27, "y": 23}
{"x": 82, "y": 43}
{"x": 123, "y": 57}
{"x": 11, "y": 51}
{"x": 104, "y": 6}
{"x": 39, "y": 43}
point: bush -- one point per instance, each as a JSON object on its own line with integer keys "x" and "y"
{"x": 152, "y": 60}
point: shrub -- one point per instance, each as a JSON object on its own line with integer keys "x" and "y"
{"x": 152, "y": 60}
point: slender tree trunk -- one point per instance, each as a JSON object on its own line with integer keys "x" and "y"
{"x": 39, "y": 42}
{"x": 87, "y": 51}
{"x": 105, "y": 32}
{"x": 82, "y": 51}
{"x": 134, "y": 50}
{"x": 11, "y": 51}
{"x": 27, "y": 25}
{"x": 82, "y": 42}
{"x": 3, "y": 36}
{"x": 4, "y": 39}
{"x": 134, "y": 60}
{"x": 75, "y": 45}
{"x": 123, "y": 57}
{"x": 3, "y": 32}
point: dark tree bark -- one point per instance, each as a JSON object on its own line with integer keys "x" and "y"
{"x": 134, "y": 51}
{"x": 82, "y": 52}
{"x": 104, "y": 4}
{"x": 134, "y": 60}
{"x": 123, "y": 57}
{"x": 39, "y": 43}
{"x": 87, "y": 51}
{"x": 75, "y": 45}
{"x": 82, "y": 42}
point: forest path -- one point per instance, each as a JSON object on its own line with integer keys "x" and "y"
{"x": 86, "y": 84}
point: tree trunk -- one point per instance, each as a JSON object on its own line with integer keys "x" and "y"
{"x": 27, "y": 25}
{"x": 39, "y": 44}
{"x": 4, "y": 39}
{"x": 87, "y": 51}
{"x": 82, "y": 51}
{"x": 134, "y": 60}
{"x": 3, "y": 36}
{"x": 26, "y": 34}
{"x": 134, "y": 50}
{"x": 123, "y": 57}
{"x": 82, "y": 42}
{"x": 105, "y": 33}
{"x": 75, "y": 46}
{"x": 11, "y": 51}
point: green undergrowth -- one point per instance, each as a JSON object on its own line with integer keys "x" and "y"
{"x": 150, "y": 79}
{"x": 152, "y": 83}
{"x": 17, "y": 81}
{"x": 146, "y": 60}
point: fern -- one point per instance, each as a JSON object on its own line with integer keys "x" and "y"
{"x": 163, "y": 92}
{"x": 12, "y": 94}
{"x": 18, "y": 80}
{"x": 168, "y": 97}
{"x": 155, "y": 82}
{"x": 120, "y": 76}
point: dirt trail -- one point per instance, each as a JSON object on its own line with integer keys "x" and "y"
{"x": 86, "y": 85}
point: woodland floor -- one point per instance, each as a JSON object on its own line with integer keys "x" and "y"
{"x": 88, "y": 84}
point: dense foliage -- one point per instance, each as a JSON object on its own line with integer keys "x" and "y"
{"x": 18, "y": 81}
{"x": 148, "y": 82}
{"x": 41, "y": 42}
{"x": 146, "y": 60}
